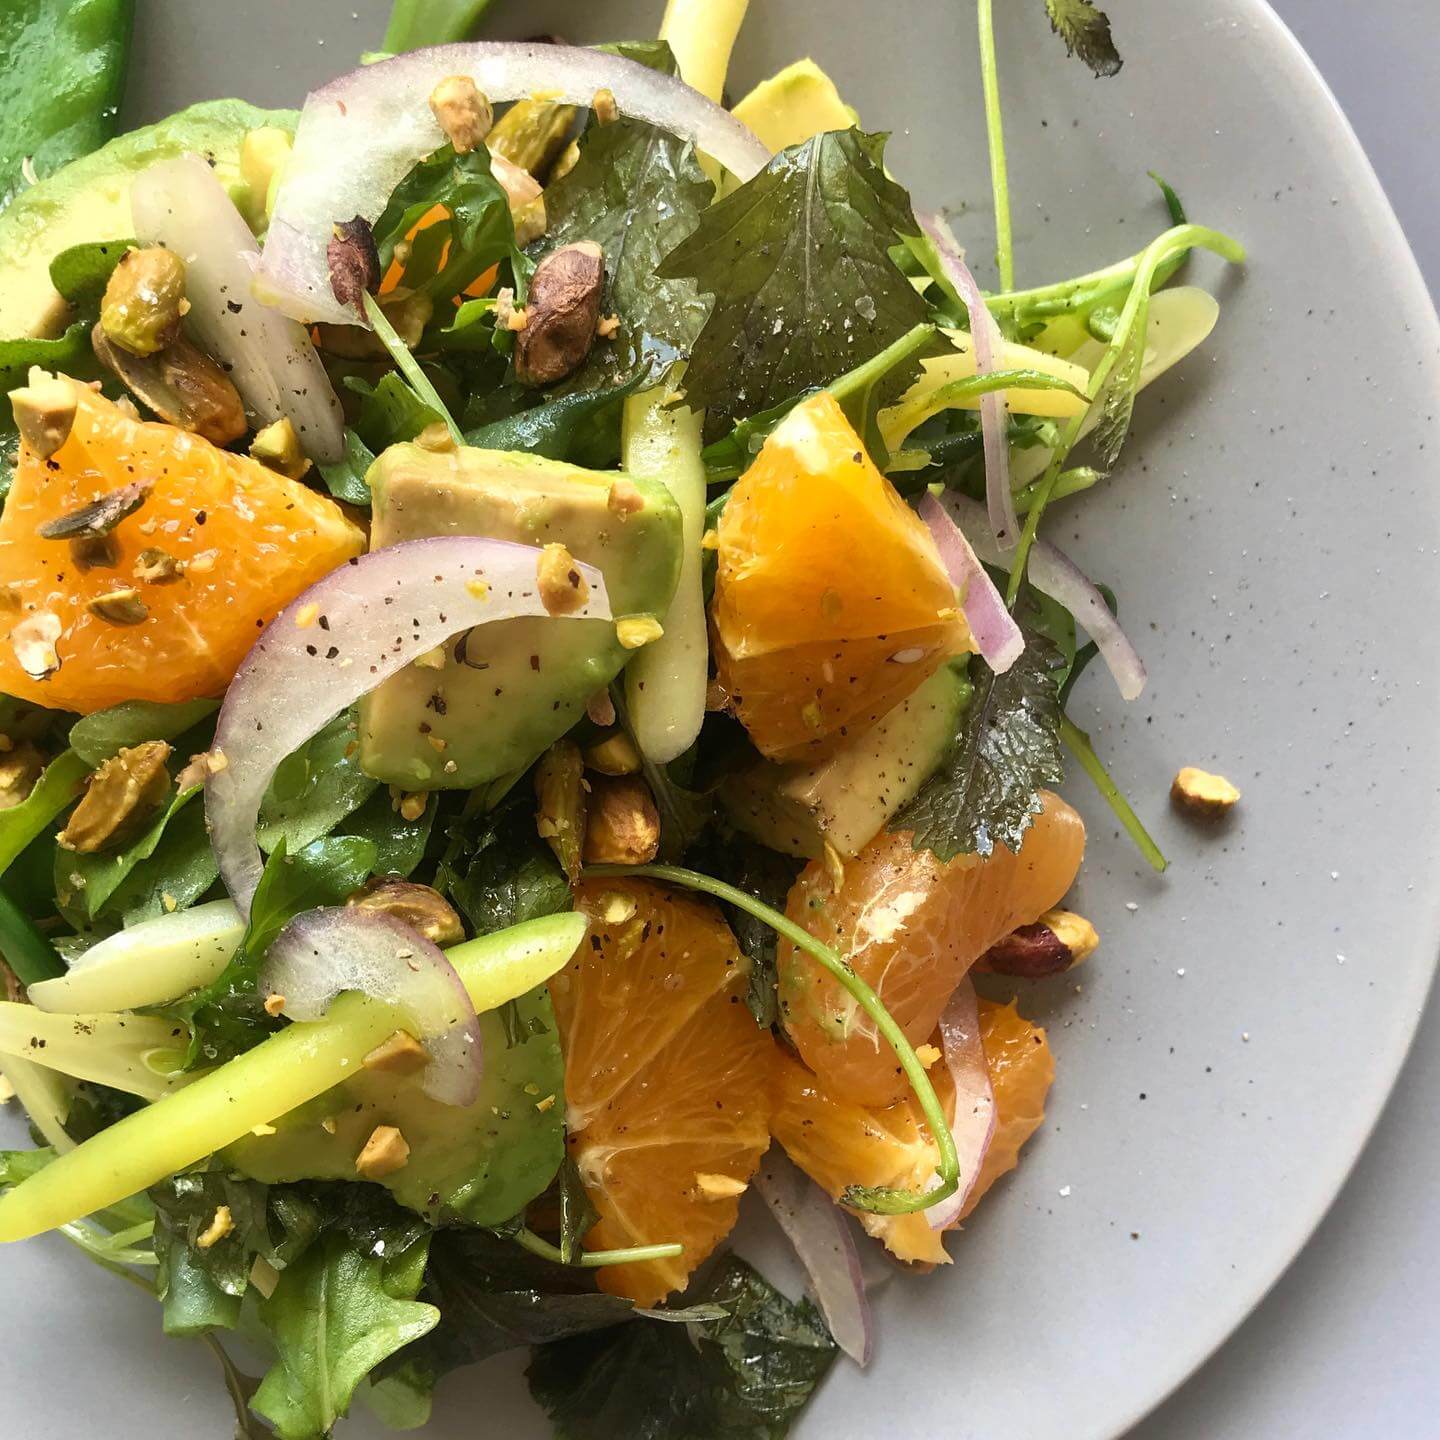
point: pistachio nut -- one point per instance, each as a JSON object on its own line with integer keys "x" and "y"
{"x": 560, "y": 815}
{"x": 145, "y": 300}
{"x": 424, "y": 910}
{"x": 120, "y": 796}
{"x": 181, "y": 384}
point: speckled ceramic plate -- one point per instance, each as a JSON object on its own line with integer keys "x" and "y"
{"x": 1272, "y": 535}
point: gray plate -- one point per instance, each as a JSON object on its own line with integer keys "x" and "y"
{"x": 1272, "y": 536}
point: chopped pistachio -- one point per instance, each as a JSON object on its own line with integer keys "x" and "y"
{"x": 560, "y": 813}
{"x": 222, "y": 1223}
{"x": 463, "y": 113}
{"x": 719, "y": 1187}
{"x": 401, "y": 1054}
{"x": 120, "y": 607}
{"x": 422, "y": 908}
{"x": 637, "y": 630}
{"x": 624, "y": 498}
{"x": 277, "y": 447}
{"x": 385, "y": 1152}
{"x": 99, "y": 517}
{"x": 121, "y": 795}
{"x": 33, "y": 641}
{"x": 274, "y": 1006}
{"x": 613, "y": 754}
{"x": 622, "y": 825}
{"x": 563, "y": 587}
{"x": 44, "y": 411}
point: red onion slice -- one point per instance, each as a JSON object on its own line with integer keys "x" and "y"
{"x": 359, "y": 135}
{"x": 1055, "y": 574}
{"x": 992, "y": 625}
{"x": 1004, "y": 523}
{"x": 821, "y": 1236}
{"x": 974, "y": 1122}
{"x": 180, "y": 204}
{"x": 337, "y": 642}
{"x": 323, "y": 953}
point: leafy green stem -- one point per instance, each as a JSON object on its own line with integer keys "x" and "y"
{"x": 995, "y": 127}
{"x": 408, "y": 366}
{"x": 594, "y": 1259}
{"x": 875, "y": 1199}
{"x": 28, "y": 953}
{"x": 1079, "y": 745}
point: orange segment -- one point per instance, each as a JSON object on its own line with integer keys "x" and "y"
{"x": 911, "y": 925}
{"x": 668, "y": 1078}
{"x": 839, "y": 1143}
{"x": 831, "y": 604}
{"x": 249, "y": 541}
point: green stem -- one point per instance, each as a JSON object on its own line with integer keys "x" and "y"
{"x": 999, "y": 170}
{"x": 27, "y": 952}
{"x": 1071, "y": 482}
{"x": 1079, "y": 744}
{"x": 595, "y": 1259}
{"x": 408, "y": 366}
{"x": 877, "y": 1200}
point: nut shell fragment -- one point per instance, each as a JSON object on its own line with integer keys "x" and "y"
{"x": 562, "y": 313}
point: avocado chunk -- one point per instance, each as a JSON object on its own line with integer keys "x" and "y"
{"x": 793, "y": 106}
{"x": 480, "y": 1163}
{"x": 489, "y": 702}
{"x": 89, "y": 200}
{"x": 847, "y": 798}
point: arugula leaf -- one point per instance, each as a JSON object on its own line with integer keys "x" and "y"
{"x": 315, "y": 788}
{"x": 345, "y": 479}
{"x": 637, "y": 192}
{"x": 582, "y": 428}
{"x": 1007, "y": 747}
{"x": 336, "y": 1314}
{"x": 390, "y": 412}
{"x": 227, "y": 1016}
{"x": 743, "y": 1377}
{"x": 500, "y": 872}
{"x": 95, "y": 738}
{"x": 798, "y": 261}
{"x": 61, "y": 84}
{"x": 1086, "y": 33}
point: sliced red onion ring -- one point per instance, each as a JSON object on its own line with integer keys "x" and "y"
{"x": 986, "y": 334}
{"x": 359, "y": 135}
{"x": 1055, "y": 574}
{"x": 992, "y": 625}
{"x": 820, "y": 1233}
{"x": 974, "y": 1122}
{"x": 337, "y": 642}
{"x": 322, "y": 953}
{"x": 180, "y": 204}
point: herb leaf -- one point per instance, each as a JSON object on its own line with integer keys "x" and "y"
{"x": 95, "y": 738}
{"x": 314, "y": 788}
{"x": 500, "y": 872}
{"x": 798, "y": 261}
{"x": 637, "y": 192}
{"x": 1086, "y": 33}
{"x": 745, "y": 1376}
{"x": 1008, "y": 746}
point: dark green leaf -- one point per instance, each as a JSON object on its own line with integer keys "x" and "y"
{"x": 97, "y": 737}
{"x": 390, "y": 412}
{"x": 335, "y": 1315}
{"x": 1086, "y": 33}
{"x": 345, "y": 479}
{"x": 577, "y": 1214}
{"x": 399, "y": 843}
{"x": 69, "y": 352}
{"x": 986, "y": 790}
{"x": 418, "y": 23}
{"x": 637, "y": 192}
{"x": 582, "y": 428}
{"x": 180, "y": 870}
{"x": 23, "y": 947}
{"x": 61, "y": 83}
{"x": 798, "y": 262}
{"x": 81, "y": 273}
{"x": 241, "y": 1389}
{"x": 314, "y": 789}
{"x": 744, "y": 1377}
{"x": 498, "y": 870}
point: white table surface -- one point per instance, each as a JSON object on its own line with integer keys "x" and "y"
{"x": 1344, "y": 1346}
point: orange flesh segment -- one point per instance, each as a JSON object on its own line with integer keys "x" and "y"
{"x": 668, "y": 1078}
{"x": 831, "y": 604}
{"x": 911, "y": 926}
{"x": 250, "y": 540}
{"x": 839, "y": 1143}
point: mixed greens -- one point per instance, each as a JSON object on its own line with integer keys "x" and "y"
{"x": 481, "y": 395}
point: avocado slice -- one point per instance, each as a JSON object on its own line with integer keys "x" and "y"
{"x": 793, "y": 106}
{"x": 847, "y": 798}
{"x": 89, "y": 200}
{"x": 487, "y": 707}
{"x": 480, "y": 1163}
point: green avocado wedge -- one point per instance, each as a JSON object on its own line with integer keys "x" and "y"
{"x": 490, "y": 703}
{"x": 89, "y": 200}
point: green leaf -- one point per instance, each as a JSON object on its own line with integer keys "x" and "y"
{"x": 986, "y": 790}
{"x": 335, "y": 1315}
{"x": 499, "y": 872}
{"x": 1086, "y": 33}
{"x": 638, "y": 192}
{"x": 744, "y": 1377}
{"x": 577, "y": 1214}
{"x": 390, "y": 412}
{"x": 179, "y": 871}
{"x": 582, "y": 428}
{"x": 69, "y": 352}
{"x": 30, "y": 956}
{"x": 315, "y": 788}
{"x": 95, "y": 738}
{"x": 798, "y": 262}
{"x": 399, "y": 843}
{"x": 81, "y": 273}
{"x": 417, "y": 23}
{"x": 61, "y": 84}
{"x": 55, "y": 790}
{"x": 345, "y": 479}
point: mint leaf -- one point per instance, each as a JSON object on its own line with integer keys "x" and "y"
{"x": 1086, "y": 33}
{"x": 637, "y": 192}
{"x": 745, "y": 1376}
{"x": 798, "y": 262}
{"x": 1007, "y": 747}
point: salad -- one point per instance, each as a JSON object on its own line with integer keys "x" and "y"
{"x": 532, "y": 697}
